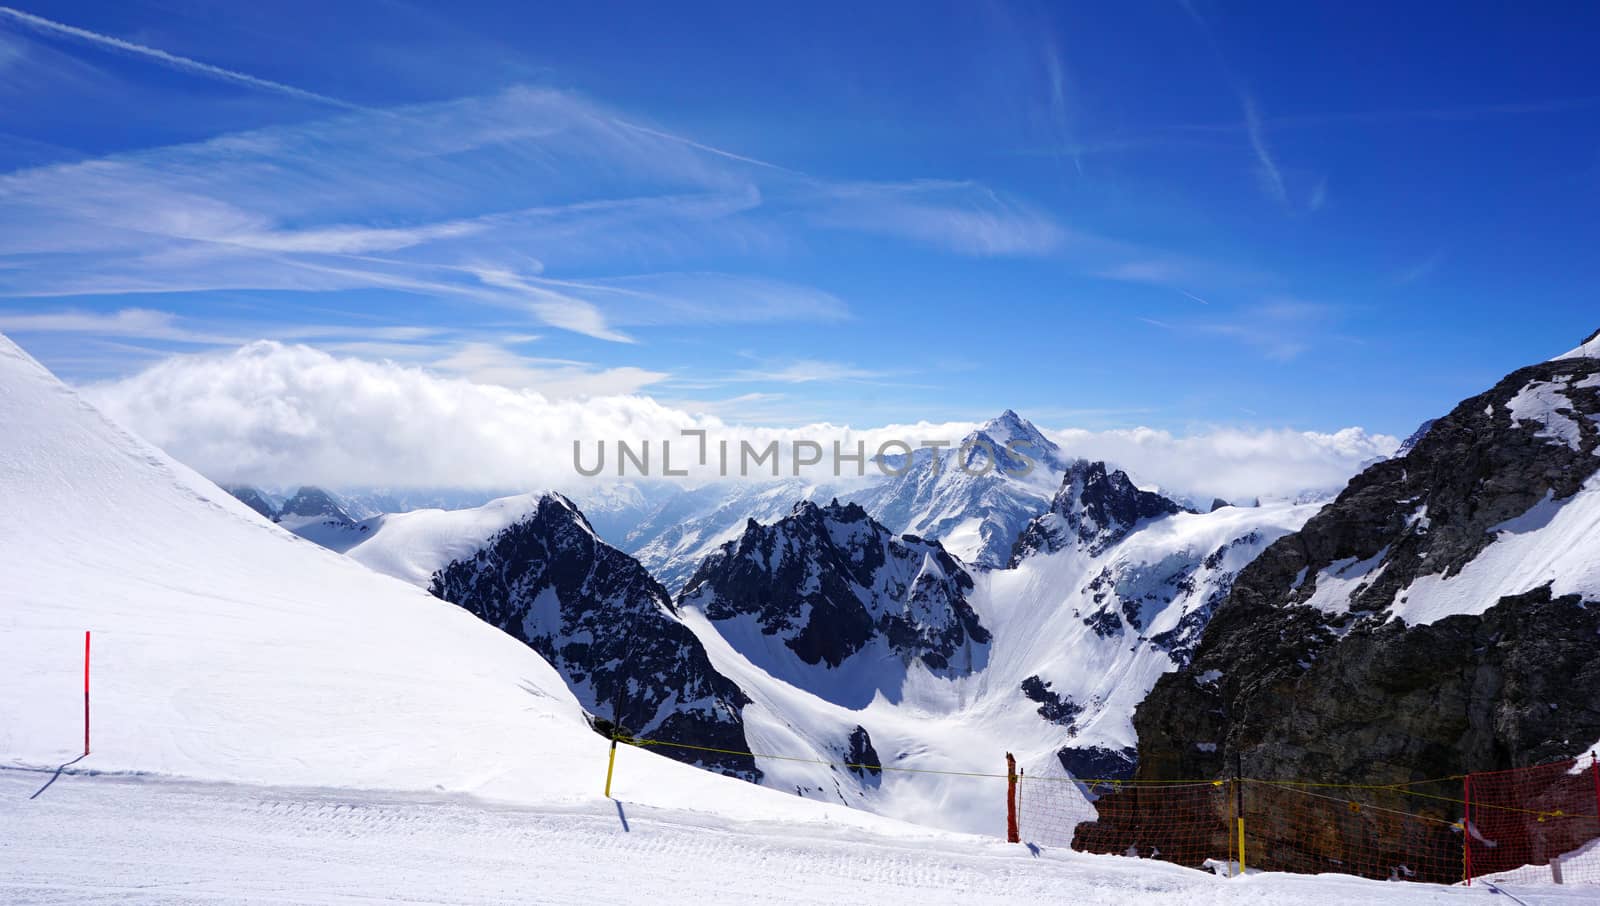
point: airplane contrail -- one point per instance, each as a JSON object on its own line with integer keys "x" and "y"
{"x": 40, "y": 23}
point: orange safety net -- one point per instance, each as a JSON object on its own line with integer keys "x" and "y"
{"x": 1186, "y": 823}
{"x": 1539, "y": 824}
{"x": 1531, "y": 824}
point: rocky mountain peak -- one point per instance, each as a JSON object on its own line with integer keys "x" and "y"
{"x": 554, "y": 508}
{"x": 609, "y": 628}
{"x": 1009, "y": 426}
{"x": 977, "y": 495}
{"x": 254, "y": 498}
{"x": 1095, "y": 508}
{"x": 833, "y": 510}
{"x": 1410, "y": 443}
{"x": 830, "y": 583}
{"x": 313, "y": 502}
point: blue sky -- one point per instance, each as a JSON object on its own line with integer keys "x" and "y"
{"x": 1166, "y": 214}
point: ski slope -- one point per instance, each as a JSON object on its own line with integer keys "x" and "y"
{"x": 227, "y": 649}
{"x": 133, "y": 840}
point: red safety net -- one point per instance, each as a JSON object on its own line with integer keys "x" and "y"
{"x": 1186, "y": 823}
{"x": 1536, "y": 825}
{"x": 1528, "y": 825}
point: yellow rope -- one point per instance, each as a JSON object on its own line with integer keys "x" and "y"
{"x": 1297, "y": 786}
{"x": 642, "y": 743}
{"x": 1375, "y": 808}
{"x": 1095, "y": 783}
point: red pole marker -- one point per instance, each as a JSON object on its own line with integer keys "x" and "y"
{"x": 1012, "y": 836}
{"x": 1594, "y": 771}
{"x": 1466, "y": 827}
{"x": 86, "y": 692}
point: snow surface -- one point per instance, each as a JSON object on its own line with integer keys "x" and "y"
{"x": 131, "y": 840}
{"x": 1589, "y": 350}
{"x": 1546, "y": 403}
{"x": 1342, "y": 580}
{"x": 413, "y": 546}
{"x": 1553, "y": 542}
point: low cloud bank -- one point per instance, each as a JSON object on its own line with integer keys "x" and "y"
{"x": 281, "y": 415}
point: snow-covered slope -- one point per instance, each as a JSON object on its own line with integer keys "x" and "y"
{"x": 413, "y": 546}
{"x": 227, "y": 649}
{"x": 1075, "y": 638}
{"x": 320, "y": 517}
{"x": 1086, "y": 630}
{"x": 187, "y": 844}
{"x": 1588, "y": 349}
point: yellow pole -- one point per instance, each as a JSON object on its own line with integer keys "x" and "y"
{"x": 1241, "y": 846}
{"x": 612, "y": 767}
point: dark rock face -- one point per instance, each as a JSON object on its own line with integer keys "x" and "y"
{"x": 1410, "y": 443}
{"x": 1098, "y": 762}
{"x": 254, "y": 499}
{"x": 829, "y": 581}
{"x": 1053, "y": 706}
{"x": 862, "y": 757}
{"x": 1093, "y": 510}
{"x": 1345, "y": 694}
{"x": 608, "y": 628}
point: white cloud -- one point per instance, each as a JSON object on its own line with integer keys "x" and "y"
{"x": 280, "y": 415}
{"x": 1281, "y": 328}
{"x": 806, "y": 371}
{"x": 532, "y": 200}
{"x": 141, "y": 323}
{"x": 1234, "y": 464}
{"x": 1266, "y": 167}
{"x": 1319, "y": 195}
{"x": 488, "y": 363}
{"x": 964, "y": 217}
{"x": 166, "y": 59}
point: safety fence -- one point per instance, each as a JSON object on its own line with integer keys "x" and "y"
{"x": 1538, "y": 824}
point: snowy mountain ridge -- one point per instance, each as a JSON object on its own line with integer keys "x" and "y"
{"x": 976, "y": 497}
{"x": 1093, "y": 509}
{"x": 829, "y": 600}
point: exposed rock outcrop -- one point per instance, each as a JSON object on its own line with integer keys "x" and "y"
{"x": 610, "y": 629}
{"x": 1372, "y": 647}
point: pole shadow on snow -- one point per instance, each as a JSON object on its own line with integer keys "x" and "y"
{"x": 57, "y": 775}
{"x": 621, "y": 816}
